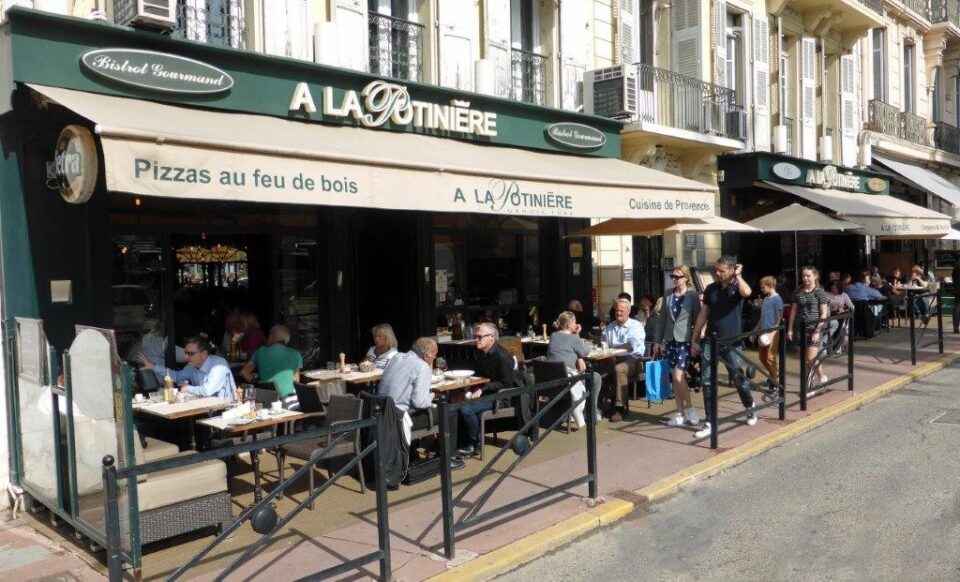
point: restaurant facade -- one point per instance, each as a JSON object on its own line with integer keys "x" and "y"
{"x": 756, "y": 184}
{"x": 146, "y": 178}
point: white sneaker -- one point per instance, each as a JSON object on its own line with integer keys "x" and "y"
{"x": 692, "y": 417}
{"x": 703, "y": 432}
{"x": 751, "y": 419}
{"x": 675, "y": 420}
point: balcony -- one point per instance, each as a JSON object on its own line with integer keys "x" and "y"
{"x": 889, "y": 120}
{"x": 921, "y": 7}
{"x": 528, "y": 75}
{"x": 851, "y": 17}
{"x": 396, "y": 47}
{"x": 947, "y": 138}
{"x": 219, "y": 23}
{"x": 947, "y": 11}
{"x": 674, "y": 100}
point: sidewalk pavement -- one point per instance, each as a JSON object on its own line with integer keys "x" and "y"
{"x": 640, "y": 460}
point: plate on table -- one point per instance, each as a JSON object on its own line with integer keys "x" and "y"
{"x": 239, "y": 421}
{"x": 458, "y": 374}
{"x": 436, "y": 378}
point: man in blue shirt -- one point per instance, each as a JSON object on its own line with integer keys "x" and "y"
{"x": 861, "y": 290}
{"x": 204, "y": 375}
{"x": 625, "y": 333}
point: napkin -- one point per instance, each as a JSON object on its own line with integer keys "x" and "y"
{"x": 236, "y": 411}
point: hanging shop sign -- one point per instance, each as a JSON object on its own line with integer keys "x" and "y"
{"x": 76, "y": 164}
{"x": 156, "y": 71}
{"x": 575, "y": 135}
{"x": 814, "y": 175}
{"x": 381, "y": 102}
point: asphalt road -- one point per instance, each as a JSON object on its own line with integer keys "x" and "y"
{"x": 874, "y": 495}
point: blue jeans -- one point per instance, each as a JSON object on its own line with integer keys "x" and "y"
{"x": 471, "y": 419}
{"x": 732, "y": 358}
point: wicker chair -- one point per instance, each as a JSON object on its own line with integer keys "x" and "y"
{"x": 342, "y": 409}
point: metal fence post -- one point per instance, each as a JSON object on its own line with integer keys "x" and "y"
{"x": 446, "y": 481}
{"x": 592, "y": 487}
{"x": 114, "y": 556}
{"x": 911, "y": 307}
{"x": 940, "y": 318}
{"x": 714, "y": 359}
{"x": 782, "y": 355}
{"x": 850, "y": 355}
{"x": 383, "y": 521}
{"x": 803, "y": 359}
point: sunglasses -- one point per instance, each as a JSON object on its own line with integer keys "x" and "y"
{"x": 480, "y": 337}
{"x": 675, "y": 277}
{"x": 190, "y": 353}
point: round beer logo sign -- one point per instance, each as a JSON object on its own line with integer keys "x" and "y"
{"x": 576, "y": 135}
{"x": 156, "y": 71}
{"x": 76, "y": 164}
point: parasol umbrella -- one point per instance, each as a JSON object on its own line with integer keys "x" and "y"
{"x": 659, "y": 226}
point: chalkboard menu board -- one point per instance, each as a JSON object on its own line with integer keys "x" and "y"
{"x": 946, "y": 258}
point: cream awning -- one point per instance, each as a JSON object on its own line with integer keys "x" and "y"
{"x": 924, "y": 180}
{"x": 286, "y": 161}
{"x": 954, "y": 234}
{"x": 879, "y": 214}
{"x": 798, "y": 218}
{"x": 656, "y": 227}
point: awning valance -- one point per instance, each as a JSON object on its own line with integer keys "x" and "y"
{"x": 164, "y": 150}
{"x": 879, "y": 214}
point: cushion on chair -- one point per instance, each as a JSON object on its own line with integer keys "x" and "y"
{"x": 182, "y": 483}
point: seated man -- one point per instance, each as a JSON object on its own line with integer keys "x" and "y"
{"x": 204, "y": 375}
{"x": 861, "y": 290}
{"x": 277, "y": 363}
{"x": 626, "y": 333}
{"x": 494, "y": 363}
{"x": 406, "y": 379}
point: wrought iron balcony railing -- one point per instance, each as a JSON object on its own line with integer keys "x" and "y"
{"x": 945, "y": 11}
{"x": 921, "y": 7}
{"x": 674, "y": 100}
{"x": 914, "y": 128}
{"x": 875, "y": 5}
{"x": 528, "y": 76}
{"x": 946, "y": 137}
{"x": 791, "y": 125}
{"x": 885, "y": 118}
{"x": 396, "y": 47}
{"x": 218, "y": 23}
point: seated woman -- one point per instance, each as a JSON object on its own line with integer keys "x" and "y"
{"x": 839, "y": 301}
{"x": 567, "y": 347}
{"x": 919, "y": 280}
{"x": 253, "y": 336}
{"x": 384, "y": 346}
{"x": 277, "y": 363}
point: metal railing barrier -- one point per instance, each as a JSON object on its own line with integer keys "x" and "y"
{"x": 262, "y": 514}
{"x": 522, "y": 444}
{"x": 837, "y": 343}
{"x": 912, "y": 298}
{"x": 711, "y": 392}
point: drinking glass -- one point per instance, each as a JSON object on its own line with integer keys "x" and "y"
{"x": 441, "y": 364}
{"x": 156, "y": 396}
{"x": 332, "y": 366}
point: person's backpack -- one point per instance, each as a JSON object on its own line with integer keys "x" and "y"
{"x": 394, "y": 449}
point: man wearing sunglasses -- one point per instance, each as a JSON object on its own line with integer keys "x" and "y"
{"x": 204, "y": 375}
{"x": 494, "y": 363}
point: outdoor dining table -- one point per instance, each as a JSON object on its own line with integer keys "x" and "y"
{"x": 188, "y": 409}
{"x": 270, "y": 422}
{"x": 456, "y": 389}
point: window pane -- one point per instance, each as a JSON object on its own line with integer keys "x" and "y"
{"x": 137, "y": 266}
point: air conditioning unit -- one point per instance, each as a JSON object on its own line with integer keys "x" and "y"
{"x": 781, "y": 139}
{"x": 155, "y": 14}
{"x": 611, "y": 92}
{"x": 826, "y": 148}
{"x": 737, "y": 124}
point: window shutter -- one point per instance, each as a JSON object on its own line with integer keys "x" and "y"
{"x": 628, "y": 44}
{"x": 761, "y": 83}
{"x": 720, "y": 43}
{"x": 298, "y": 33}
{"x": 573, "y": 50}
{"x": 808, "y": 91}
{"x": 353, "y": 34}
{"x": 848, "y": 110}
{"x": 686, "y": 38}
{"x": 496, "y": 22}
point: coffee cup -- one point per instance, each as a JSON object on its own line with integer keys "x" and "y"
{"x": 138, "y": 397}
{"x": 262, "y": 414}
{"x": 275, "y": 406}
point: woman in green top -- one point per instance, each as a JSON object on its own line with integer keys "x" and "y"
{"x": 277, "y": 363}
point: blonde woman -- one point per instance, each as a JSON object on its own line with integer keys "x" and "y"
{"x": 681, "y": 306}
{"x": 567, "y": 347}
{"x": 384, "y": 345}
